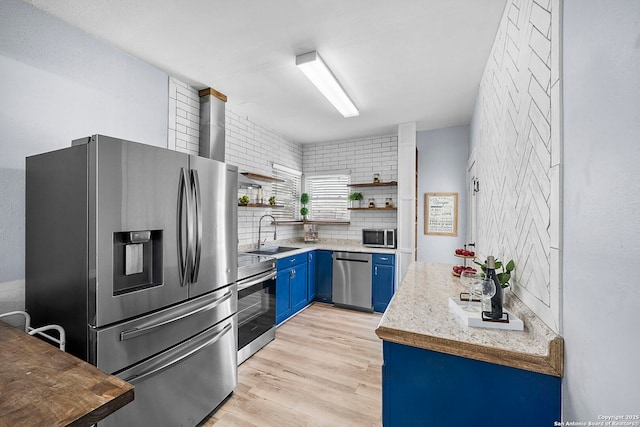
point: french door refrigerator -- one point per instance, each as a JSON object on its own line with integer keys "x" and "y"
{"x": 133, "y": 250}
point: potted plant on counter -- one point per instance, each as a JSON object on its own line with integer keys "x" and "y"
{"x": 504, "y": 275}
{"x": 304, "y": 199}
{"x": 244, "y": 200}
{"x": 356, "y": 199}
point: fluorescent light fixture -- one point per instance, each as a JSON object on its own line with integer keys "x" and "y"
{"x": 321, "y": 76}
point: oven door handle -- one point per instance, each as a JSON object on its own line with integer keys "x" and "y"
{"x": 242, "y": 285}
{"x": 145, "y": 329}
{"x": 164, "y": 364}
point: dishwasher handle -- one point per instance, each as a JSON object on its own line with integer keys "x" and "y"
{"x": 352, "y": 257}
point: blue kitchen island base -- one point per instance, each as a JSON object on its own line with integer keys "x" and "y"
{"x": 428, "y": 388}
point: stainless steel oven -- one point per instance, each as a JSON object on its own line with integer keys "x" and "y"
{"x": 256, "y": 303}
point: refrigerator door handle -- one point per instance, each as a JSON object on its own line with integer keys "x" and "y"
{"x": 171, "y": 358}
{"x": 144, "y": 329}
{"x": 195, "y": 187}
{"x": 184, "y": 199}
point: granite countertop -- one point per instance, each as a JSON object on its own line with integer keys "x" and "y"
{"x": 418, "y": 315}
{"x": 347, "y": 246}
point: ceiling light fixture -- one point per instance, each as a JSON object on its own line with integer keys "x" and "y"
{"x": 321, "y": 76}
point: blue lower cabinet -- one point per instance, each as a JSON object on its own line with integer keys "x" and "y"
{"x": 291, "y": 286}
{"x": 324, "y": 275}
{"x": 283, "y": 295}
{"x": 427, "y": 388}
{"x": 298, "y": 283}
{"x": 311, "y": 276}
{"x": 383, "y": 280}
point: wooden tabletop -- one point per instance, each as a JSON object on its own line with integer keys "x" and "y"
{"x": 41, "y": 385}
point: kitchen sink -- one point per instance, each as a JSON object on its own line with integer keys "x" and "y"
{"x": 272, "y": 250}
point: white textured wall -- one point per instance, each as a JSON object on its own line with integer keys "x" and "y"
{"x": 360, "y": 158}
{"x": 59, "y": 84}
{"x": 516, "y": 143}
{"x": 442, "y": 165}
{"x": 601, "y": 290}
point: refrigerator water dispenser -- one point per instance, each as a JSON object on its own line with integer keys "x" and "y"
{"x": 137, "y": 260}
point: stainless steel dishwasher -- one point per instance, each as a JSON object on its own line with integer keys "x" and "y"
{"x": 352, "y": 280}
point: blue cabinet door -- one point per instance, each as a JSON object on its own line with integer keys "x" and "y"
{"x": 382, "y": 286}
{"x": 311, "y": 276}
{"x": 427, "y": 388}
{"x": 324, "y": 275}
{"x": 383, "y": 280}
{"x": 283, "y": 295}
{"x": 298, "y": 285}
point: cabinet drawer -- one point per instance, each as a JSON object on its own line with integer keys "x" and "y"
{"x": 387, "y": 259}
{"x": 292, "y": 260}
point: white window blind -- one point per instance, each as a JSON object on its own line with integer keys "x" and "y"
{"x": 328, "y": 197}
{"x": 287, "y": 193}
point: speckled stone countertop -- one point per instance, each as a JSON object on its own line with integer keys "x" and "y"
{"x": 331, "y": 245}
{"x": 418, "y": 315}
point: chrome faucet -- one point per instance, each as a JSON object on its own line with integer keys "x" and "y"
{"x": 275, "y": 228}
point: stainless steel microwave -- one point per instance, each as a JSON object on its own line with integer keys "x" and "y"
{"x": 379, "y": 237}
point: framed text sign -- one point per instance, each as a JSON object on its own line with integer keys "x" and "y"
{"x": 441, "y": 214}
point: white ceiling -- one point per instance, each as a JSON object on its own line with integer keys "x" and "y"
{"x": 400, "y": 61}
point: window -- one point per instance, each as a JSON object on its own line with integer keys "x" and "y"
{"x": 287, "y": 193}
{"x": 328, "y": 197}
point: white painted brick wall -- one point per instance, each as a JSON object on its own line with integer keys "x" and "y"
{"x": 516, "y": 153}
{"x": 184, "y": 117}
{"x": 254, "y": 148}
{"x": 361, "y": 158}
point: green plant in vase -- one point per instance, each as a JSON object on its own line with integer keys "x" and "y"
{"x": 272, "y": 200}
{"x": 356, "y": 196}
{"x": 304, "y": 199}
{"x": 504, "y": 275}
{"x": 244, "y": 200}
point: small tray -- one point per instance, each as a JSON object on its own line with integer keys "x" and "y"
{"x": 473, "y": 318}
{"x": 464, "y": 256}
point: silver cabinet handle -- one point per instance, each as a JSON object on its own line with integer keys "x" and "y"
{"x": 384, "y": 258}
{"x": 293, "y": 273}
{"x": 376, "y": 270}
{"x": 145, "y": 329}
{"x": 166, "y": 365}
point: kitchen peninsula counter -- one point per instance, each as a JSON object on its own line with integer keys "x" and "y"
{"x": 419, "y": 316}
{"x": 40, "y": 385}
{"x": 438, "y": 371}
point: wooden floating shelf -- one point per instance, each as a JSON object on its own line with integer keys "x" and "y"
{"x": 260, "y": 205}
{"x": 375, "y": 184}
{"x": 261, "y": 177}
{"x": 373, "y": 209}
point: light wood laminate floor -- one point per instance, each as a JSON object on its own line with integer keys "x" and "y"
{"x": 323, "y": 369}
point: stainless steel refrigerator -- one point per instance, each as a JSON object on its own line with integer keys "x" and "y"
{"x": 133, "y": 250}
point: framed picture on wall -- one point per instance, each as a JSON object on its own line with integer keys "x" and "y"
{"x": 441, "y": 214}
